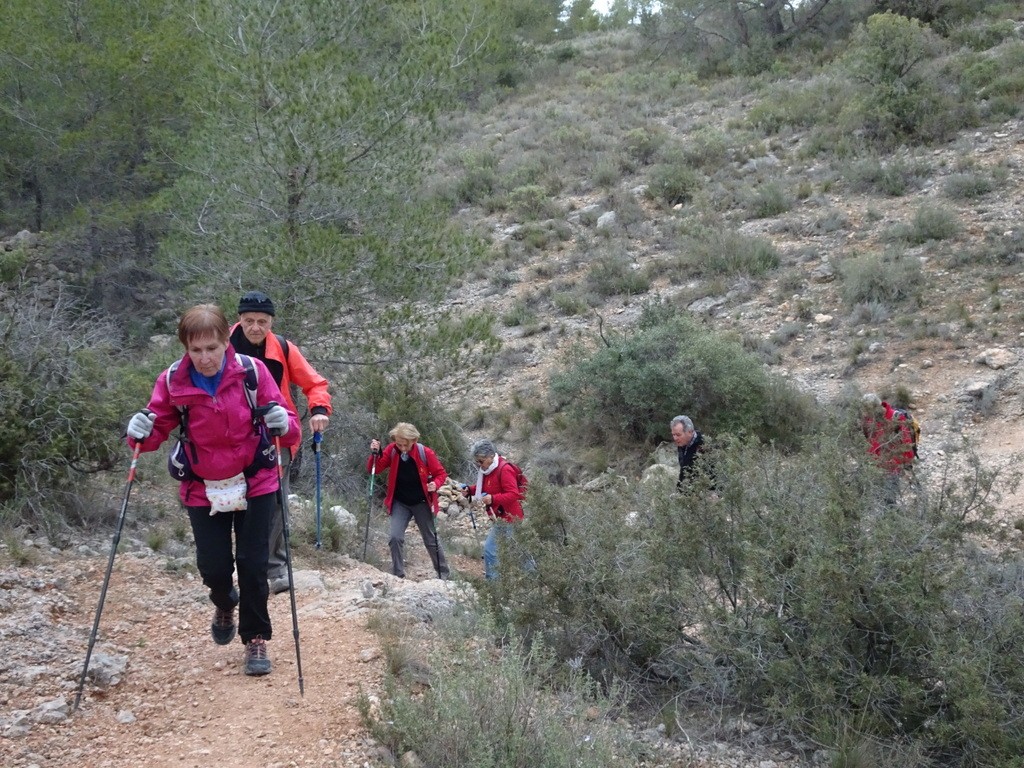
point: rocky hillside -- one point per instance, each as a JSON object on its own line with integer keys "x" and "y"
{"x": 943, "y": 221}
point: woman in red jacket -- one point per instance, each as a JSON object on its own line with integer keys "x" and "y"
{"x": 414, "y": 474}
{"x": 497, "y": 488}
{"x": 227, "y": 488}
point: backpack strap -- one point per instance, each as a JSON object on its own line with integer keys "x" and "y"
{"x": 284, "y": 345}
{"x": 252, "y": 379}
{"x": 423, "y": 454}
{"x": 252, "y": 382}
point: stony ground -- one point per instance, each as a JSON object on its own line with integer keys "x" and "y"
{"x": 161, "y": 693}
{"x": 169, "y": 696}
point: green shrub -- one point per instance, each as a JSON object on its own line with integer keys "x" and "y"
{"x": 716, "y": 252}
{"x": 933, "y": 223}
{"x": 532, "y": 202}
{"x": 11, "y": 263}
{"x": 884, "y": 279}
{"x": 981, "y": 36}
{"x": 897, "y": 97}
{"x": 518, "y": 314}
{"x": 706, "y": 148}
{"x": 507, "y": 708}
{"x": 804, "y": 106}
{"x": 674, "y": 181}
{"x": 606, "y": 173}
{"x": 642, "y": 144}
{"x": 668, "y": 365}
{"x": 66, "y": 391}
{"x": 894, "y": 178}
{"x": 614, "y": 275}
{"x": 570, "y": 303}
{"x": 480, "y": 179}
{"x": 796, "y": 591}
{"x": 768, "y": 200}
{"x": 965, "y": 186}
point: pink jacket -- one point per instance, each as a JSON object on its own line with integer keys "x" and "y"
{"x": 219, "y": 427}
{"x": 433, "y": 472}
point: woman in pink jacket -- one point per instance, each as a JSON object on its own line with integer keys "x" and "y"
{"x": 414, "y": 475}
{"x": 231, "y": 482}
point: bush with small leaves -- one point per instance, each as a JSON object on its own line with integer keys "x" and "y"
{"x": 965, "y": 186}
{"x": 471, "y": 705}
{"x": 614, "y": 274}
{"x": 888, "y": 279}
{"x": 895, "y": 177}
{"x": 669, "y": 364}
{"x": 768, "y": 200}
{"x": 67, "y": 392}
{"x": 674, "y": 181}
{"x": 718, "y": 252}
{"x": 799, "y": 588}
{"x": 933, "y": 223}
{"x": 897, "y": 98}
{"x": 642, "y": 144}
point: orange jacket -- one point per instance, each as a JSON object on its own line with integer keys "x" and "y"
{"x": 298, "y": 371}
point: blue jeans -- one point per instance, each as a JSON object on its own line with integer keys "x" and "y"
{"x": 506, "y": 531}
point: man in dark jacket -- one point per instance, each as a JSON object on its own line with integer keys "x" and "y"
{"x": 689, "y": 443}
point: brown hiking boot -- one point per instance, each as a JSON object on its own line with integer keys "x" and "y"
{"x": 223, "y": 626}
{"x": 256, "y": 661}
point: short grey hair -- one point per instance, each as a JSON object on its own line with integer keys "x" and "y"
{"x": 686, "y": 421}
{"x": 483, "y": 448}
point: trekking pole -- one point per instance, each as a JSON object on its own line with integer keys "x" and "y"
{"x": 282, "y": 501}
{"x": 317, "y": 437}
{"x": 106, "y": 578}
{"x": 369, "y": 505}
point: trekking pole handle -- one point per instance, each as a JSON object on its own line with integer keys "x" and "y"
{"x": 261, "y": 413}
{"x": 317, "y": 439}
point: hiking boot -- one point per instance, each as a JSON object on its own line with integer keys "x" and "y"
{"x": 279, "y": 585}
{"x": 223, "y": 626}
{"x": 256, "y": 661}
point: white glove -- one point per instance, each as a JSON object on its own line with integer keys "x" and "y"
{"x": 277, "y": 419}
{"x": 141, "y": 425}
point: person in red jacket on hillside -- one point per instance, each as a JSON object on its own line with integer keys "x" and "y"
{"x": 232, "y": 478}
{"x": 414, "y": 475}
{"x": 498, "y": 489}
{"x": 253, "y": 335}
{"x": 890, "y": 441}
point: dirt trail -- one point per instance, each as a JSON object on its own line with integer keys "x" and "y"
{"x": 184, "y": 701}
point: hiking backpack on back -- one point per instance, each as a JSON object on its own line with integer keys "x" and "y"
{"x": 912, "y": 424}
{"x": 521, "y": 481}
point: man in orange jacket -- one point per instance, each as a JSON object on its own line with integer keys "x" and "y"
{"x": 253, "y": 335}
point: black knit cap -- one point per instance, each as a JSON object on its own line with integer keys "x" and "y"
{"x": 255, "y": 301}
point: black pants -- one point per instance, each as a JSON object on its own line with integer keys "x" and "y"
{"x": 400, "y": 517}
{"x": 216, "y": 561}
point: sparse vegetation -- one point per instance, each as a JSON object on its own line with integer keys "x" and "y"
{"x": 888, "y": 639}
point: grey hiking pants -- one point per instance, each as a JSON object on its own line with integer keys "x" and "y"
{"x": 399, "y": 521}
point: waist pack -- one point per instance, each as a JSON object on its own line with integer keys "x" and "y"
{"x": 183, "y": 454}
